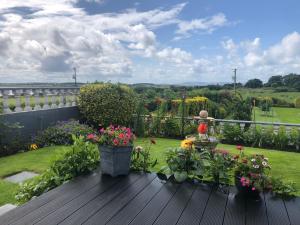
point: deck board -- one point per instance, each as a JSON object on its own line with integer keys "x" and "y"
{"x": 139, "y": 199}
{"x": 194, "y": 210}
{"x": 293, "y": 209}
{"x": 256, "y": 212}
{"x": 215, "y": 208}
{"x": 235, "y": 213}
{"x": 116, "y": 204}
{"x": 276, "y": 211}
{"x": 175, "y": 207}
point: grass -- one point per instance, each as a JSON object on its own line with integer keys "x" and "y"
{"x": 263, "y": 92}
{"x": 279, "y": 114}
{"x": 284, "y": 164}
{"x": 36, "y": 161}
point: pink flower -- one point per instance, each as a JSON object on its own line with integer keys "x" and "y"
{"x": 253, "y": 189}
{"x": 239, "y": 147}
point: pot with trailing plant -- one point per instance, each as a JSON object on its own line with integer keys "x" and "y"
{"x": 251, "y": 173}
{"x": 115, "y": 146}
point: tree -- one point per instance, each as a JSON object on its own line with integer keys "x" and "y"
{"x": 275, "y": 81}
{"x": 291, "y": 79}
{"x": 254, "y": 83}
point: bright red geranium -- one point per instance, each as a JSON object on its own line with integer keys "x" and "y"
{"x": 202, "y": 128}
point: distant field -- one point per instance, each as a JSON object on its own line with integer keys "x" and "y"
{"x": 278, "y": 114}
{"x": 263, "y": 92}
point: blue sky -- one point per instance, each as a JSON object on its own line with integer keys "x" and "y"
{"x": 148, "y": 41}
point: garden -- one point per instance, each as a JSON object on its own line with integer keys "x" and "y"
{"x": 115, "y": 133}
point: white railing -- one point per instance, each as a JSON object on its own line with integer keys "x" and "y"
{"x": 37, "y": 98}
{"x": 242, "y": 123}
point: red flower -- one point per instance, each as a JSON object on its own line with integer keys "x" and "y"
{"x": 91, "y": 136}
{"x": 239, "y": 147}
{"x": 121, "y": 135}
{"x": 116, "y": 142}
{"x": 202, "y": 128}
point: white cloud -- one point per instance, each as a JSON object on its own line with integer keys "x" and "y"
{"x": 175, "y": 55}
{"x": 50, "y": 37}
{"x": 208, "y": 25}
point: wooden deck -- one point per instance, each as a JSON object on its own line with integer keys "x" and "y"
{"x": 143, "y": 199}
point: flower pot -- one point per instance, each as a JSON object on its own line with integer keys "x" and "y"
{"x": 245, "y": 190}
{"x": 115, "y": 160}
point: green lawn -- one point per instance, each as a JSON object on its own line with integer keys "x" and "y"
{"x": 263, "y": 92}
{"x": 36, "y": 161}
{"x": 285, "y": 164}
{"x": 278, "y": 114}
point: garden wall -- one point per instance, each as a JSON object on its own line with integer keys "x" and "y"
{"x": 34, "y": 121}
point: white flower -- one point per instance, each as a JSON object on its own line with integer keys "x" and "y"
{"x": 267, "y": 159}
{"x": 264, "y": 163}
{"x": 138, "y": 148}
{"x": 253, "y": 160}
{"x": 256, "y": 166}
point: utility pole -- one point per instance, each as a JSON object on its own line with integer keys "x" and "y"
{"x": 234, "y": 79}
{"x": 75, "y": 76}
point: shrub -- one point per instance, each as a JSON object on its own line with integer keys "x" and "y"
{"x": 171, "y": 128}
{"x": 232, "y": 134}
{"x": 281, "y": 139}
{"x": 81, "y": 159}
{"x": 106, "y": 104}
{"x": 61, "y": 133}
{"x": 297, "y": 103}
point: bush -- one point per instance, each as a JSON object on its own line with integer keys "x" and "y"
{"x": 106, "y": 104}
{"x": 297, "y": 103}
{"x": 61, "y": 133}
{"x": 171, "y": 128}
{"x": 81, "y": 159}
{"x": 262, "y": 137}
{"x": 232, "y": 134}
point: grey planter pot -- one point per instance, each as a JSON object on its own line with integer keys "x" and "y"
{"x": 115, "y": 161}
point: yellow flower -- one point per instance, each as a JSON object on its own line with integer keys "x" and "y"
{"x": 33, "y": 147}
{"x": 186, "y": 144}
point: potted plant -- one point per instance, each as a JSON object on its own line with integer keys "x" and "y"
{"x": 251, "y": 174}
{"x": 115, "y": 146}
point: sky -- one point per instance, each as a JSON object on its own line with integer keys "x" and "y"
{"x": 147, "y": 41}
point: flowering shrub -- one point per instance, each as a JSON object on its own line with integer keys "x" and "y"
{"x": 113, "y": 136}
{"x": 61, "y": 133}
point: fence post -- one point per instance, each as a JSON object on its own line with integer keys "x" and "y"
{"x": 183, "y": 113}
